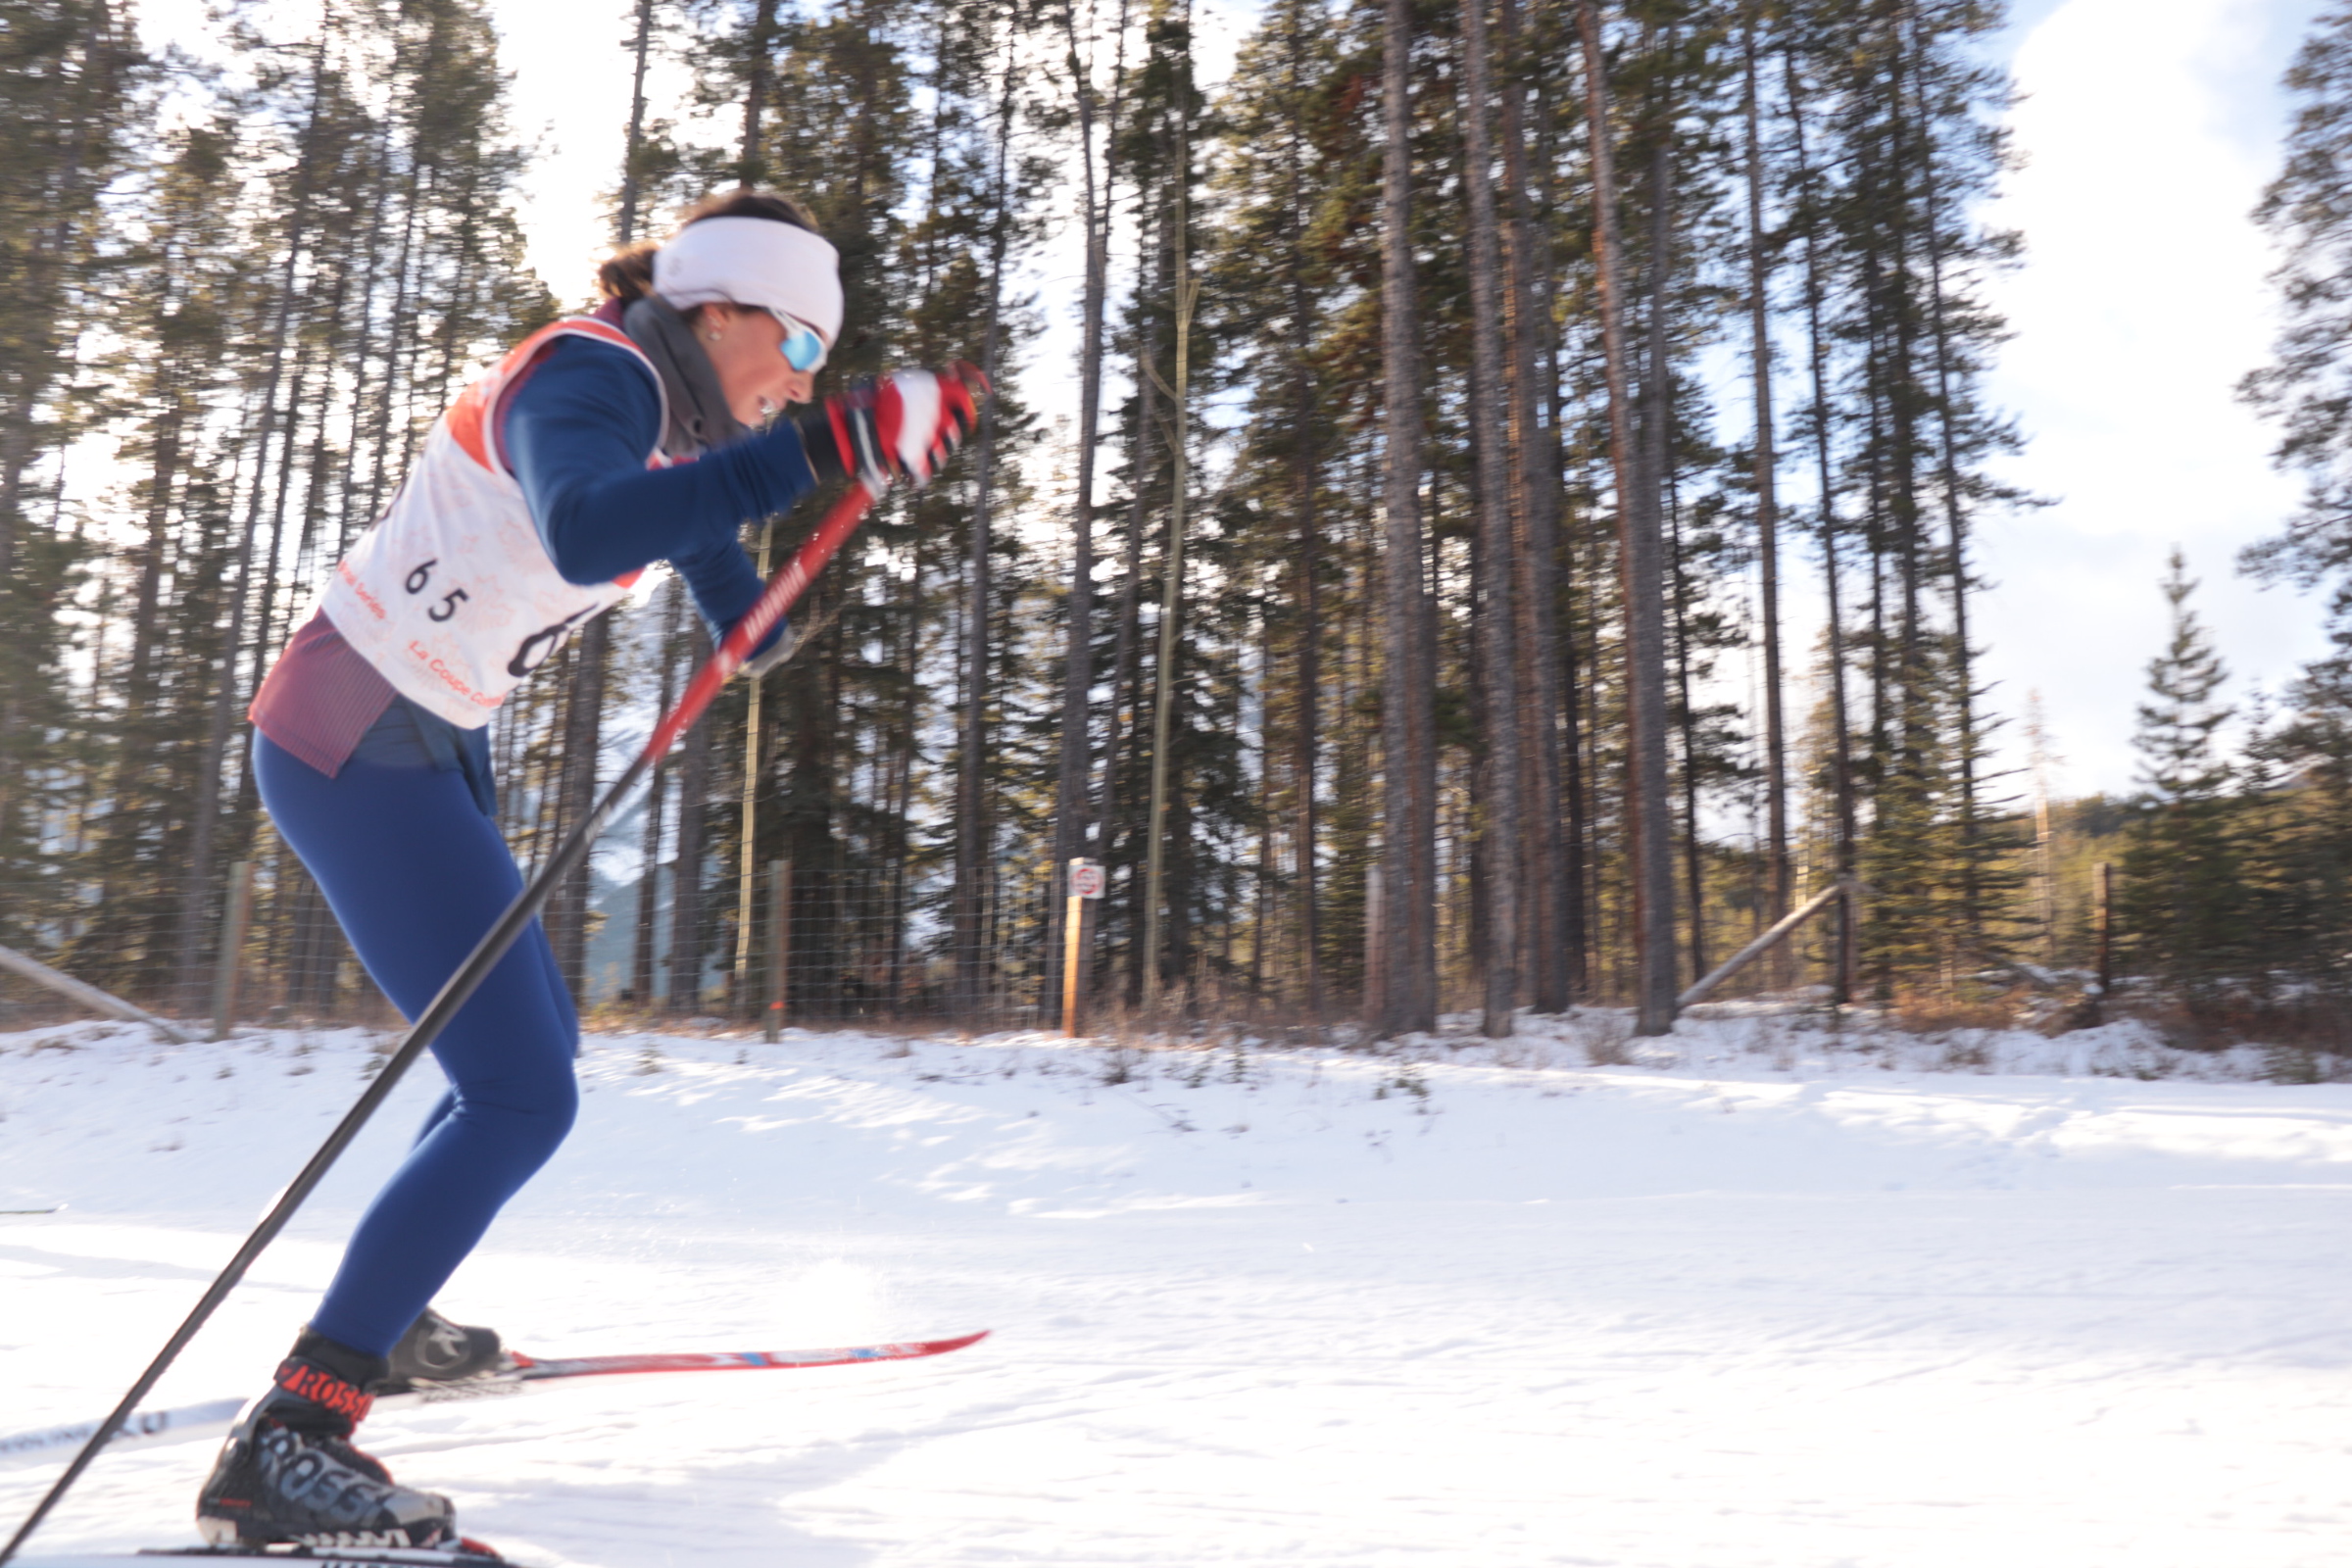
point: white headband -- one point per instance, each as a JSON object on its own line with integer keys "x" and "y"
{"x": 753, "y": 261}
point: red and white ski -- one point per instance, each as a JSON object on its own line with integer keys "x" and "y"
{"x": 524, "y": 1370}
{"x": 520, "y": 1372}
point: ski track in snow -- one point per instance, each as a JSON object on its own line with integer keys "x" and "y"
{"x": 1749, "y": 1300}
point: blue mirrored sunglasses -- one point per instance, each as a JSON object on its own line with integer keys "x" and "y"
{"x": 803, "y": 349}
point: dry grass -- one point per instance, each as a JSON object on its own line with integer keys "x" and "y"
{"x": 1607, "y": 1039}
{"x": 1938, "y": 1015}
{"x": 2303, "y": 1041}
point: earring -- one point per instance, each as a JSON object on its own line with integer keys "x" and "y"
{"x": 714, "y": 336}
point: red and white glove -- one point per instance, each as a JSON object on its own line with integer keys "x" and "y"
{"x": 907, "y": 424}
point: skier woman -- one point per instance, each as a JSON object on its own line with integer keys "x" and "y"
{"x": 538, "y": 497}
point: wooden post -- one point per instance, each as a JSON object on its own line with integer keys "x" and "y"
{"x": 90, "y": 997}
{"x": 2102, "y": 889}
{"x": 1085, "y": 882}
{"x": 1849, "y": 922}
{"x": 1073, "y": 949}
{"x": 779, "y": 947}
{"x": 739, "y": 978}
{"x": 1840, "y": 892}
{"x": 232, "y": 945}
{"x": 1376, "y": 973}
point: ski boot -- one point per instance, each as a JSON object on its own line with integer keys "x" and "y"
{"x": 288, "y": 1473}
{"x": 437, "y": 1350}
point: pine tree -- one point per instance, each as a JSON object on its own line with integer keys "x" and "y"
{"x": 1650, "y": 869}
{"x": 1407, "y": 907}
{"x": 2308, "y": 388}
{"x": 67, "y": 88}
{"x": 2184, "y": 894}
{"x": 2297, "y": 832}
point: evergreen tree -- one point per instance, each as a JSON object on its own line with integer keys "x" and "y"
{"x": 2296, "y": 831}
{"x": 2308, "y": 388}
{"x": 67, "y": 84}
{"x": 2183, "y": 898}
{"x": 1398, "y": 681}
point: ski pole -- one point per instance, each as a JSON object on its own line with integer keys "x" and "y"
{"x": 781, "y": 590}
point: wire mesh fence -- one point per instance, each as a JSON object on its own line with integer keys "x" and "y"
{"x": 775, "y": 945}
{"x": 258, "y": 943}
{"x": 827, "y": 944}
{"x": 845, "y": 937}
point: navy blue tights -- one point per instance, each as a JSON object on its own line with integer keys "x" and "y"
{"x": 414, "y": 867}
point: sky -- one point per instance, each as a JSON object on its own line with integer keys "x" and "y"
{"x": 2146, "y": 130}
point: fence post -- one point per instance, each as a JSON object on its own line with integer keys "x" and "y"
{"x": 1376, "y": 948}
{"x": 2104, "y": 895}
{"x": 90, "y": 997}
{"x": 779, "y": 946}
{"x": 232, "y": 945}
{"x": 1073, "y": 949}
{"x": 1086, "y": 887}
{"x": 1769, "y": 942}
{"x": 1849, "y": 937}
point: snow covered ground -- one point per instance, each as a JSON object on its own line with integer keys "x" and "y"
{"x": 1757, "y": 1297}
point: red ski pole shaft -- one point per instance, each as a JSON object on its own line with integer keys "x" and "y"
{"x": 785, "y": 587}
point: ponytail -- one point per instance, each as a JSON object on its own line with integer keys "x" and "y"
{"x": 628, "y": 273}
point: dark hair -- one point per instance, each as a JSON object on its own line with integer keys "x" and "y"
{"x": 628, "y": 273}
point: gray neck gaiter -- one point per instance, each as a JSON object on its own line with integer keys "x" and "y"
{"x": 699, "y": 418}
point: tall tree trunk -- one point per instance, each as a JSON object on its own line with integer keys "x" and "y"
{"x": 1973, "y": 913}
{"x": 1306, "y": 482}
{"x": 631, "y": 176}
{"x": 92, "y": 105}
{"x": 584, "y": 709}
{"x": 205, "y": 813}
{"x": 649, "y": 875}
{"x": 759, "y": 44}
{"x": 1408, "y": 999}
{"x": 1124, "y": 674}
{"x": 396, "y": 341}
{"x": 1171, "y": 605}
{"x": 575, "y": 783}
{"x": 897, "y": 839}
{"x": 971, "y": 788}
{"x": 1648, "y": 823}
{"x": 350, "y": 513}
{"x": 1070, "y": 826}
{"x": 1261, "y": 923}
{"x": 162, "y": 493}
{"x": 1660, "y": 457}
{"x": 1780, "y": 887}
{"x": 686, "y": 863}
{"x": 1693, "y": 851}
{"x": 247, "y": 801}
{"x": 1575, "y": 802}
{"x": 1841, "y": 764}
{"x": 1497, "y": 614}
{"x": 1902, "y": 402}
{"x": 1535, "y": 506}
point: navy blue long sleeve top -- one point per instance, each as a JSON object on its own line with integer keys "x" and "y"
{"x": 575, "y": 433}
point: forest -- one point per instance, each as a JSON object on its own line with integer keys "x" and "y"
{"x": 1476, "y": 516}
